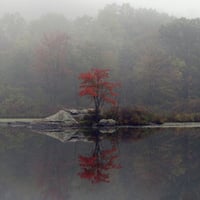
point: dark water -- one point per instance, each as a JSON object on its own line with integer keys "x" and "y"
{"x": 137, "y": 164}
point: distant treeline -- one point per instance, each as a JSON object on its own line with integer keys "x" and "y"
{"x": 155, "y": 57}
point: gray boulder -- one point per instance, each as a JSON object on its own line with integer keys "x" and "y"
{"x": 79, "y": 114}
{"x": 62, "y": 116}
{"x": 73, "y": 111}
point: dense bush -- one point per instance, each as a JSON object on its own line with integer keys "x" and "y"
{"x": 183, "y": 117}
{"x": 133, "y": 116}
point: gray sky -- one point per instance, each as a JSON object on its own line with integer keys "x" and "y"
{"x": 74, "y": 8}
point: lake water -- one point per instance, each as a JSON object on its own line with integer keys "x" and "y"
{"x": 130, "y": 164}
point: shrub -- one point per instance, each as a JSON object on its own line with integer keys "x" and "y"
{"x": 133, "y": 116}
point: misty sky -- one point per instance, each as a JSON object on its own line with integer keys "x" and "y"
{"x": 74, "y": 8}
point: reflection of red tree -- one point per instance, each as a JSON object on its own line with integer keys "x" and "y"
{"x": 95, "y": 167}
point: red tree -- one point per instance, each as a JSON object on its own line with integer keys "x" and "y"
{"x": 96, "y": 86}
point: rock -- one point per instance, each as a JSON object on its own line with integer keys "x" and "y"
{"x": 79, "y": 114}
{"x": 84, "y": 111}
{"x": 107, "y": 122}
{"x": 73, "y": 111}
{"x": 62, "y": 117}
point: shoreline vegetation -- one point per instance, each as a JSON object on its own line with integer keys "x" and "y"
{"x": 144, "y": 116}
{"x": 124, "y": 117}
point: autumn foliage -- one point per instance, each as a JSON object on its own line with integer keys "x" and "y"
{"x": 51, "y": 65}
{"x": 51, "y": 53}
{"x": 95, "y": 168}
{"x": 96, "y": 86}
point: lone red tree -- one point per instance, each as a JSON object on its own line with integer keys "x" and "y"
{"x": 96, "y": 86}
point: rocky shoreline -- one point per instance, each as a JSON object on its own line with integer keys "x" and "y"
{"x": 72, "y": 119}
{"x": 62, "y": 119}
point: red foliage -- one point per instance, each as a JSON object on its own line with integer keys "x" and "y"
{"x": 51, "y": 54}
{"x": 95, "y": 85}
{"x": 95, "y": 167}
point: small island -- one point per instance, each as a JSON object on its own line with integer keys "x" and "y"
{"x": 96, "y": 86}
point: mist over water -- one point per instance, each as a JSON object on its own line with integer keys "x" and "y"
{"x": 154, "y": 164}
{"x": 154, "y": 58}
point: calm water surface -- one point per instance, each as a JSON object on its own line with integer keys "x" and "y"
{"x": 135, "y": 164}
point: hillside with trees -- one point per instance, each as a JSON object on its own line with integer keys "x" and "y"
{"x": 155, "y": 57}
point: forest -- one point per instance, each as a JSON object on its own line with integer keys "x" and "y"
{"x": 155, "y": 58}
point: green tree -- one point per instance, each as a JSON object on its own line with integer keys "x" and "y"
{"x": 181, "y": 38}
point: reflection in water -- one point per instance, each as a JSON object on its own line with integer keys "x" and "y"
{"x": 95, "y": 167}
{"x": 158, "y": 164}
{"x": 51, "y": 177}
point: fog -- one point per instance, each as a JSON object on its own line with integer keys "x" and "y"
{"x": 33, "y": 8}
{"x": 155, "y": 57}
